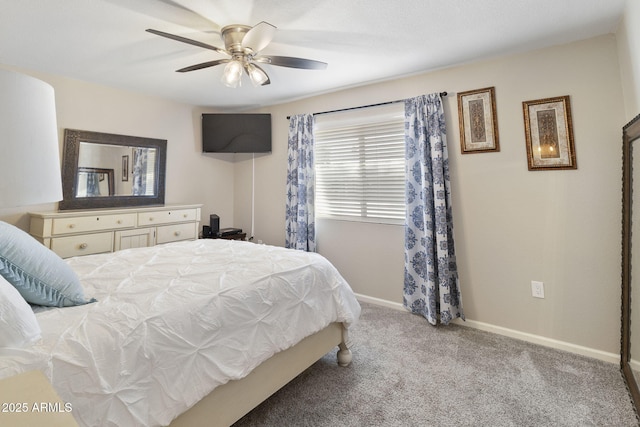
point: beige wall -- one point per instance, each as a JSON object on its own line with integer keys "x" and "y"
{"x": 512, "y": 226}
{"x": 628, "y": 36}
{"x": 192, "y": 177}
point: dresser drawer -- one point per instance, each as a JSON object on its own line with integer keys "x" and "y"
{"x": 166, "y": 217}
{"x": 83, "y": 224}
{"x": 86, "y": 244}
{"x": 173, "y": 233}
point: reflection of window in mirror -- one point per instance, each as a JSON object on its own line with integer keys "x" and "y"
{"x": 88, "y": 185}
{"x": 144, "y": 160}
{"x": 94, "y": 182}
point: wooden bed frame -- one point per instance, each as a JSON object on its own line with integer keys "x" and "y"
{"x": 231, "y": 401}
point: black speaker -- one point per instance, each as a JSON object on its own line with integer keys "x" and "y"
{"x": 214, "y": 224}
{"x": 206, "y": 231}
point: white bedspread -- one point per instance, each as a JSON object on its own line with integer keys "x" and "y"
{"x": 174, "y": 321}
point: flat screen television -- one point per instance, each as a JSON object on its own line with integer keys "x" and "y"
{"x": 236, "y": 133}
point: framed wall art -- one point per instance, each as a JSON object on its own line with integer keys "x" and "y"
{"x": 478, "y": 121}
{"x": 125, "y": 168}
{"x": 549, "y": 134}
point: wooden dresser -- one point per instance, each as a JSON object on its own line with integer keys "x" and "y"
{"x": 72, "y": 233}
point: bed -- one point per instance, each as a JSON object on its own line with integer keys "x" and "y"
{"x": 188, "y": 333}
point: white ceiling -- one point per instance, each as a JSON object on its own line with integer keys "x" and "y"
{"x": 104, "y": 41}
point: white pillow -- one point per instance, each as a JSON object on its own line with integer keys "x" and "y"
{"x": 18, "y": 324}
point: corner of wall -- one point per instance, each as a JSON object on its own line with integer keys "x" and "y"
{"x": 628, "y": 46}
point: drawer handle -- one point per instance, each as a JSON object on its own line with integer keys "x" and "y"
{"x": 83, "y": 246}
{"x": 150, "y": 218}
{"x": 72, "y": 226}
{"x": 119, "y": 221}
{"x": 177, "y": 233}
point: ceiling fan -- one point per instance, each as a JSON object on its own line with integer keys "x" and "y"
{"x": 243, "y": 45}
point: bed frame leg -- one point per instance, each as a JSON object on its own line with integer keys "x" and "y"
{"x": 344, "y": 354}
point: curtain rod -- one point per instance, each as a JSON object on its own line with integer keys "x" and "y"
{"x": 442, "y": 94}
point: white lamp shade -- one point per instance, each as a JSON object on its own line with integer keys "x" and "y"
{"x": 30, "y": 152}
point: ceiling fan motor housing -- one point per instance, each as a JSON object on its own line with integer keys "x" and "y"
{"x": 232, "y": 36}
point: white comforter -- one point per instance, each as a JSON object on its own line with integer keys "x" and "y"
{"x": 174, "y": 321}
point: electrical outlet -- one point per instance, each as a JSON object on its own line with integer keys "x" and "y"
{"x": 537, "y": 289}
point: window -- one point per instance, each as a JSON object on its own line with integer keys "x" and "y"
{"x": 359, "y": 161}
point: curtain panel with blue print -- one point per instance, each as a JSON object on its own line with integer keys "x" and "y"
{"x": 431, "y": 286}
{"x": 140, "y": 157}
{"x": 300, "y": 213}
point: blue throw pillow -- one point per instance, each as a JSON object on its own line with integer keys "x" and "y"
{"x": 38, "y": 273}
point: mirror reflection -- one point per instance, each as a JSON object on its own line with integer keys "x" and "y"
{"x": 95, "y": 182}
{"x": 134, "y": 167}
{"x": 634, "y": 344}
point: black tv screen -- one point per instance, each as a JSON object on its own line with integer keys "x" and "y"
{"x": 236, "y": 133}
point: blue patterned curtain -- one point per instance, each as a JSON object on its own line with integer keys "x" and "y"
{"x": 140, "y": 171}
{"x": 300, "y": 221}
{"x": 431, "y": 286}
{"x": 93, "y": 185}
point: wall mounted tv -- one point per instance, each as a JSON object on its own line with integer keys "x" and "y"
{"x": 236, "y": 133}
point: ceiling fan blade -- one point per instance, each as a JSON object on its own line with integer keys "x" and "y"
{"x": 177, "y": 10}
{"x": 186, "y": 40}
{"x": 259, "y": 37}
{"x": 203, "y": 65}
{"x": 169, "y": 11}
{"x": 291, "y": 62}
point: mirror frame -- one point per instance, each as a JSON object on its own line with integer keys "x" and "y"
{"x": 630, "y": 134}
{"x": 71, "y": 151}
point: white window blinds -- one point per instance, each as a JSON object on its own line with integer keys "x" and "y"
{"x": 359, "y": 161}
{"x": 150, "y": 173}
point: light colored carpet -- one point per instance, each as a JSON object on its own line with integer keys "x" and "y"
{"x": 406, "y": 372}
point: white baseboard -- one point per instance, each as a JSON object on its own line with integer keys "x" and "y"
{"x": 512, "y": 333}
{"x": 378, "y": 301}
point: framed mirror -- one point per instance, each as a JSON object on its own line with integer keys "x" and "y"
{"x": 630, "y": 341}
{"x": 103, "y": 170}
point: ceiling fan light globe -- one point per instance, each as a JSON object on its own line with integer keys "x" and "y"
{"x": 232, "y": 74}
{"x": 257, "y": 76}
